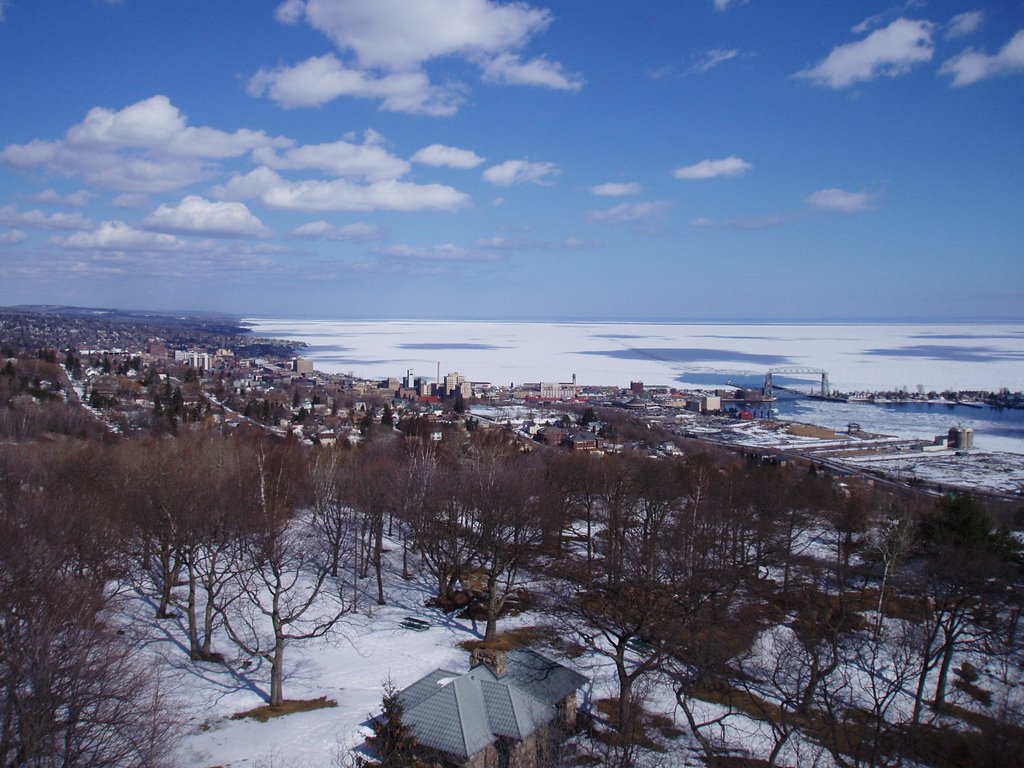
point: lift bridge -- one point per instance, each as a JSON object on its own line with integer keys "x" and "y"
{"x": 797, "y": 370}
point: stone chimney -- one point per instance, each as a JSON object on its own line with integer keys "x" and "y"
{"x": 492, "y": 658}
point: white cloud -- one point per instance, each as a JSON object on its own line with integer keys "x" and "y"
{"x": 725, "y": 5}
{"x": 520, "y": 172}
{"x": 77, "y": 199}
{"x": 12, "y": 216}
{"x": 156, "y": 124}
{"x": 964, "y": 24}
{"x": 248, "y": 186}
{"x": 391, "y": 41}
{"x": 343, "y": 195}
{"x": 14, "y": 236}
{"x": 446, "y": 252}
{"x": 290, "y": 11}
{"x": 631, "y": 213}
{"x": 118, "y": 236}
{"x": 401, "y": 35}
{"x": 368, "y": 160}
{"x": 615, "y": 189}
{"x": 750, "y": 222}
{"x": 971, "y": 65}
{"x": 840, "y": 201}
{"x": 712, "y": 58}
{"x": 452, "y": 157}
{"x": 321, "y": 79}
{"x": 499, "y": 243}
{"x": 131, "y": 200}
{"x": 146, "y": 147}
{"x": 709, "y": 169}
{"x": 889, "y": 51}
{"x": 321, "y": 230}
{"x": 197, "y": 216}
{"x": 507, "y": 68}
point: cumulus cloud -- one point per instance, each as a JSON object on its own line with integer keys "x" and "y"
{"x": 971, "y": 65}
{"x": 248, "y": 186}
{"x": 369, "y": 160}
{"x": 964, "y": 24}
{"x": 890, "y": 51}
{"x": 13, "y": 236}
{"x": 342, "y": 195}
{"x": 321, "y": 79}
{"x": 641, "y": 215}
{"x": 146, "y": 147}
{"x": 322, "y": 230}
{"x": 840, "y": 201}
{"x": 615, "y": 189}
{"x": 78, "y": 199}
{"x": 12, "y": 216}
{"x": 290, "y": 11}
{"x": 509, "y": 69}
{"x": 197, "y": 216}
{"x": 520, "y": 172}
{"x": 157, "y": 124}
{"x": 119, "y": 236}
{"x": 399, "y": 34}
{"x": 709, "y": 169}
{"x": 390, "y": 41}
{"x": 451, "y": 157}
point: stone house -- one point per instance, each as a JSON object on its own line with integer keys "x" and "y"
{"x": 507, "y": 711}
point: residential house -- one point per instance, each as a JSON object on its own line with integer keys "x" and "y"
{"x": 505, "y": 712}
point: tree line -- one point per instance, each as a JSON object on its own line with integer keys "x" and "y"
{"x": 863, "y": 624}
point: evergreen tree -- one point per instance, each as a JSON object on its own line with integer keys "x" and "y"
{"x": 392, "y": 739}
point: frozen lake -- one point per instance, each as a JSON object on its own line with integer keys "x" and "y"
{"x": 857, "y": 357}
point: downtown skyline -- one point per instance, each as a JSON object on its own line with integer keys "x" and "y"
{"x": 708, "y": 159}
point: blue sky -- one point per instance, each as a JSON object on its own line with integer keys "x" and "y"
{"x": 684, "y": 159}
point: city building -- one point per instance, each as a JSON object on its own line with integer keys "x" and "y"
{"x": 302, "y": 366}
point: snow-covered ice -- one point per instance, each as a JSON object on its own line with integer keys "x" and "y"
{"x": 858, "y": 357}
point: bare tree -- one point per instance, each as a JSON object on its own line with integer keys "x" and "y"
{"x": 501, "y": 486}
{"x": 332, "y": 517}
{"x": 281, "y": 586}
{"x": 72, "y": 692}
{"x": 623, "y": 604}
{"x": 440, "y": 527}
{"x": 369, "y": 488}
{"x": 213, "y": 515}
{"x": 889, "y": 543}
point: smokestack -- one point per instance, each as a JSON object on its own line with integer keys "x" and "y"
{"x": 438, "y": 379}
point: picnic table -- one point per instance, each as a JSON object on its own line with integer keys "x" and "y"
{"x": 417, "y": 625}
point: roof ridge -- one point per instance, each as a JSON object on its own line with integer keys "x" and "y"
{"x": 463, "y": 681}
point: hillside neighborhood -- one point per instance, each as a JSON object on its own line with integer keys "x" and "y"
{"x": 299, "y": 569}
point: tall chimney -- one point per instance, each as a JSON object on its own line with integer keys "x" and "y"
{"x": 492, "y": 658}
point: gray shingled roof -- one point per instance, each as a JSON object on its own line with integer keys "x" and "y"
{"x": 548, "y": 680}
{"x": 463, "y": 714}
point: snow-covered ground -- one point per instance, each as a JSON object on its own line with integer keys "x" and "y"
{"x": 857, "y": 357}
{"x": 350, "y": 667}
